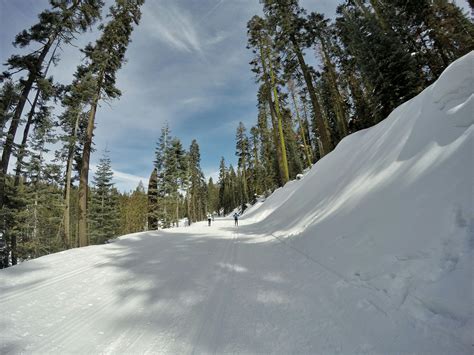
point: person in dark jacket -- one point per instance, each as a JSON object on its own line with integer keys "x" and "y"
{"x": 236, "y": 219}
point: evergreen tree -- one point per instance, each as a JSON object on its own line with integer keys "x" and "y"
{"x": 162, "y": 149}
{"x": 152, "y": 193}
{"x": 133, "y": 211}
{"x": 212, "y": 196}
{"x": 175, "y": 175}
{"x": 60, "y": 23}
{"x": 264, "y": 65}
{"x": 76, "y": 98}
{"x": 196, "y": 193}
{"x": 286, "y": 23}
{"x": 9, "y": 96}
{"x": 242, "y": 152}
{"x": 302, "y": 129}
{"x": 222, "y": 185}
{"x": 105, "y": 58}
{"x": 104, "y": 210}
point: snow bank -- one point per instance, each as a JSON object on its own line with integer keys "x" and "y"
{"x": 392, "y": 206}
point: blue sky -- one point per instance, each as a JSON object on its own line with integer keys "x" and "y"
{"x": 187, "y": 65}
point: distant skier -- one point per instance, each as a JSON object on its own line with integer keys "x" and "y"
{"x": 209, "y": 219}
{"x": 236, "y": 219}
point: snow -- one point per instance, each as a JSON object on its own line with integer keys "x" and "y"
{"x": 371, "y": 252}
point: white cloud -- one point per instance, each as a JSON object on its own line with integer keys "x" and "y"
{"x": 123, "y": 181}
{"x": 173, "y": 26}
{"x": 128, "y": 182}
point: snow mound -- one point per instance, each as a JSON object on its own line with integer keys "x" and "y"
{"x": 391, "y": 208}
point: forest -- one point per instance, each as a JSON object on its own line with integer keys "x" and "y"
{"x": 370, "y": 58}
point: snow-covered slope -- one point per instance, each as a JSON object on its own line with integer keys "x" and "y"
{"x": 371, "y": 252}
{"x": 392, "y": 206}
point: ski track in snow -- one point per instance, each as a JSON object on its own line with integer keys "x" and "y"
{"x": 246, "y": 297}
{"x": 235, "y": 295}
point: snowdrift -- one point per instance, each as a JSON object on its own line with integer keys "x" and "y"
{"x": 392, "y": 206}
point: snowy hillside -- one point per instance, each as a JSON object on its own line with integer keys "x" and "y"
{"x": 371, "y": 252}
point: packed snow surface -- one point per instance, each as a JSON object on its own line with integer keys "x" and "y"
{"x": 371, "y": 252}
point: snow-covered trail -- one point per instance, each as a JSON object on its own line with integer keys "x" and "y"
{"x": 201, "y": 289}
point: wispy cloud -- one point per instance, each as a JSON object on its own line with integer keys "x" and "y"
{"x": 211, "y": 11}
{"x": 173, "y": 26}
{"x": 128, "y": 182}
{"x": 123, "y": 181}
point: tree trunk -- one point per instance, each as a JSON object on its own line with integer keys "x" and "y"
{"x": 321, "y": 123}
{"x": 66, "y": 237}
{"x": 308, "y": 137}
{"x": 29, "y": 121}
{"x": 280, "y": 123}
{"x": 302, "y": 132}
{"x": 272, "y": 115}
{"x": 84, "y": 174}
{"x": 177, "y": 210}
{"x": 337, "y": 97}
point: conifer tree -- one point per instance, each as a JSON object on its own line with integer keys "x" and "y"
{"x": 152, "y": 193}
{"x": 259, "y": 41}
{"x": 286, "y": 23}
{"x": 212, "y": 196}
{"x": 105, "y": 58}
{"x": 175, "y": 172}
{"x": 60, "y": 23}
{"x": 104, "y": 209}
{"x": 243, "y": 154}
{"x": 222, "y": 185}
{"x": 160, "y": 162}
{"x": 9, "y": 96}
{"x": 133, "y": 211}
{"x": 44, "y": 91}
{"x": 197, "y": 186}
{"x": 76, "y": 98}
{"x": 307, "y": 150}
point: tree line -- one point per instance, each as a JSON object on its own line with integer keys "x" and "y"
{"x": 178, "y": 193}
{"x": 373, "y": 56}
{"x": 41, "y": 209}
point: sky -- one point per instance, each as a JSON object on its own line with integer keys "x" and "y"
{"x": 187, "y": 65}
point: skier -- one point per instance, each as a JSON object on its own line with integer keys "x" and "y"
{"x": 209, "y": 218}
{"x": 236, "y": 219}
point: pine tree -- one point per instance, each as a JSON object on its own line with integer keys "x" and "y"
{"x": 133, "y": 211}
{"x": 306, "y": 147}
{"x": 384, "y": 62}
{"x": 104, "y": 209}
{"x": 161, "y": 151}
{"x": 286, "y": 22}
{"x": 242, "y": 152}
{"x": 196, "y": 193}
{"x": 105, "y": 58}
{"x": 222, "y": 185}
{"x": 9, "y": 96}
{"x": 60, "y": 23}
{"x": 319, "y": 32}
{"x": 212, "y": 196}
{"x": 175, "y": 172}
{"x": 152, "y": 193}
{"x": 76, "y": 97}
{"x": 259, "y": 40}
